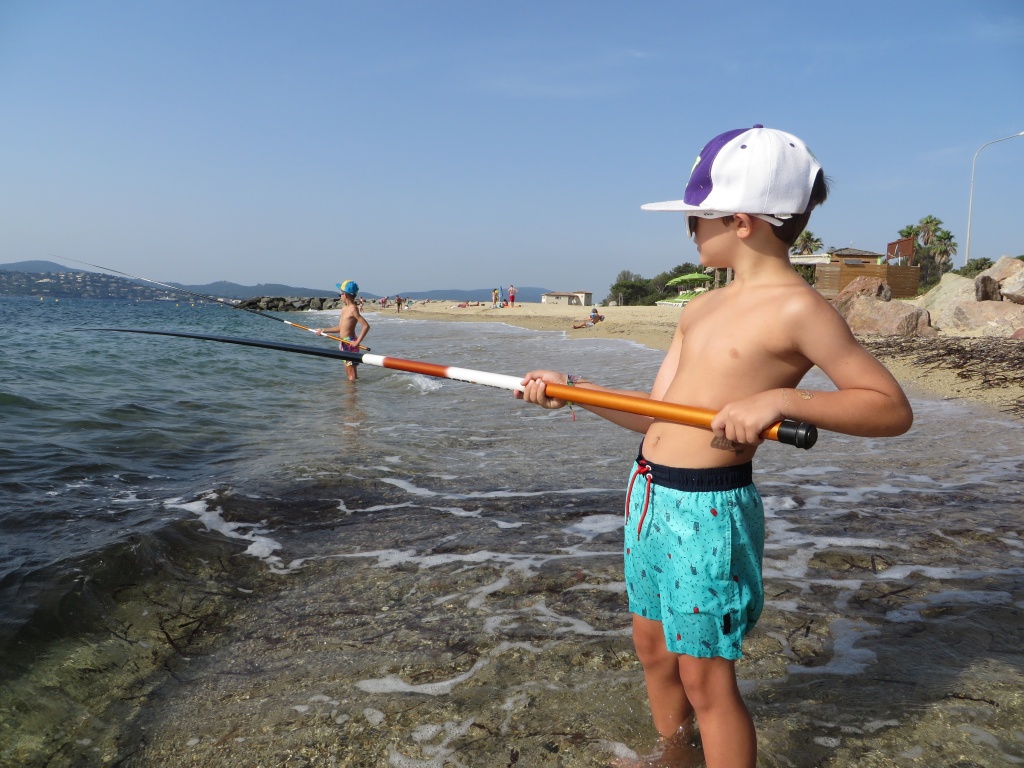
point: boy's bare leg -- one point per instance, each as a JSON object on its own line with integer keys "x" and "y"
{"x": 726, "y": 728}
{"x": 350, "y": 371}
{"x": 670, "y": 707}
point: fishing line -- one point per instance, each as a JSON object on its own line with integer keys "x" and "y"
{"x": 208, "y": 298}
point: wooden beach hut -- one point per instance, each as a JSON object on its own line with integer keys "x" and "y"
{"x": 847, "y": 264}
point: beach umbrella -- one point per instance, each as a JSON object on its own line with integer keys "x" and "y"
{"x": 693, "y": 277}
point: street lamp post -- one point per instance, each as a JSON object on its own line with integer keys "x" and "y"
{"x": 970, "y": 204}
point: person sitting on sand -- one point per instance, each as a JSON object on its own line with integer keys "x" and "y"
{"x": 592, "y": 320}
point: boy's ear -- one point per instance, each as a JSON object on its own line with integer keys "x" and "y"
{"x": 744, "y": 224}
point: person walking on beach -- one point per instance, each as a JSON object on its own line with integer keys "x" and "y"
{"x": 694, "y": 531}
{"x": 346, "y": 328}
{"x": 494, "y": 299}
{"x": 511, "y": 295}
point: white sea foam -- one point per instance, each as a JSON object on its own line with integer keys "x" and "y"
{"x": 415, "y": 490}
{"x": 595, "y": 525}
{"x": 422, "y": 383}
{"x": 375, "y": 508}
{"x": 911, "y": 611}
{"x": 846, "y": 659}
{"x": 395, "y": 684}
{"x": 438, "y": 755}
{"x": 261, "y": 545}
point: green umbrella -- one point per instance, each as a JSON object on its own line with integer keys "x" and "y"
{"x": 693, "y": 277}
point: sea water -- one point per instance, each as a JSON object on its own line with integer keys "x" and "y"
{"x": 217, "y": 555}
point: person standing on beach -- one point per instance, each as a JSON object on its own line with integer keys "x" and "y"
{"x": 346, "y": 328}
{"x": 494, "y": 299}
{"x": 694, "y": 532}
{"x": 511, "y": 295}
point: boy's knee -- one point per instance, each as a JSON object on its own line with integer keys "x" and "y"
{"x": 708, "y": 681}
{"x": 649, "y": 642}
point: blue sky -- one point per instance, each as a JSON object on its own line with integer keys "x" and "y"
{"x": 450, "y": 144}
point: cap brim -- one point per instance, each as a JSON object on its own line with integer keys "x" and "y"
{"x": 668, "y": 205}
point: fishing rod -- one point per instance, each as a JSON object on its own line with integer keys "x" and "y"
{"x": 208, "y": 298}
{"x": 799, "y": 434}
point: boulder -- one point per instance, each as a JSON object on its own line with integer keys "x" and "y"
{"x": 1004, "y": 268}
{"x": 875, "y": 287}
{"x": 1018, "y": 334}
{"x": 870, "y": 316}
{"x": 985, "y": 318}
{"x": 986, "y": 288}
{"x": 952, "y": 289}
{"x": 1012, "y": 288}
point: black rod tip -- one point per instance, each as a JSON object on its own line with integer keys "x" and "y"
{"x": 801, "y": 434}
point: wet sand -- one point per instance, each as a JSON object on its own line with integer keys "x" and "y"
{"x": 653, "y": 327}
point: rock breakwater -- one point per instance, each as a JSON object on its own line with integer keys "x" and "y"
{"x": 289, "y": 303}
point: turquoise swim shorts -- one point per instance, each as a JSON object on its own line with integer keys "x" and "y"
{"x": 693, "y": 546}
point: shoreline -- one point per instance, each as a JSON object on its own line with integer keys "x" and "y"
{"x": 936, "y": 366}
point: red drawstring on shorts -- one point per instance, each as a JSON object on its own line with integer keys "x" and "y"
{"x": 642, "y": 468}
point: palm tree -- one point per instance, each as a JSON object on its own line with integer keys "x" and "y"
{"x": 806, "y": 244}
{"x": 943, "y": 250}
{"x": 911, "y": 230}
{"x": 929, "y": 227}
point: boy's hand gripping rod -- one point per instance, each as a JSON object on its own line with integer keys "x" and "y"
{"x": 799, "y": 434}
{"x": 176, "y": 289}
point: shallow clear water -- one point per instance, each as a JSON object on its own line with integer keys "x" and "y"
{"x": 217, "y": 555}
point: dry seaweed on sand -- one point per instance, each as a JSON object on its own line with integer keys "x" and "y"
{"x": 986, "y": 363}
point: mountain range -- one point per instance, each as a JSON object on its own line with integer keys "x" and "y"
{"x": 227, "y": 290}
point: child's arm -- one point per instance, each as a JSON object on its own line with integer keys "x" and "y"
{"x": 869, "y": 401}
{"x": 365, "y": 326}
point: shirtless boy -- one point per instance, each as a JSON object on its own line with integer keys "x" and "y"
{"x": 346, "y": 327}
{"x": 694, "y": 532}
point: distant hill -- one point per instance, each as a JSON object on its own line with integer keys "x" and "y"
{"x": 36, "y": 266}
{"x": 221, "y": 289}
{"x": 224, "y": 289}
{"x": 227, "y": 290}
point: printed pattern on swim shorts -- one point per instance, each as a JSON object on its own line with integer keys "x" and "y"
{"x": 349, "y": 345}
{"x": 693, "y": 562}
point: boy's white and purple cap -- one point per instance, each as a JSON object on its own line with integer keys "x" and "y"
{"x": 761, "y": 171}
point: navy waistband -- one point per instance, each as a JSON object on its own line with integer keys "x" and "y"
{"x": 699, "y": 480}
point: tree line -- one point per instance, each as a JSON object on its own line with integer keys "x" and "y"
{"x": 934, "y": 249}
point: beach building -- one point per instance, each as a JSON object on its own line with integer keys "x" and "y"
{"x": 573, "y": 299}
{"x": 847, "y": 264}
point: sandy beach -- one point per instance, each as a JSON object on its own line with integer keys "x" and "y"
{"x": 653, "y": 327}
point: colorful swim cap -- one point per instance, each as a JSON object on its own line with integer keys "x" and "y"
{"x": 351, "y": 287}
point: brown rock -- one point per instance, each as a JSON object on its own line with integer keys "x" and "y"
{"x": 875, "y": 287}
{"x": 1004, "y": 268}
{"x": 1018, "y": 334}
{"x": 1012, "y": 288}
{"x": 986, "y": 289}
{"x": 866, "y": 315}
{"x": 986, "y": 318}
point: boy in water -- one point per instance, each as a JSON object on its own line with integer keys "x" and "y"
{"x": 694, "y": 531}
{"x": 346, "y": 327}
